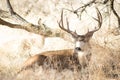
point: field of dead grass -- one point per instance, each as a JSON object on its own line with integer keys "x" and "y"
{"x": 104, "y": 65}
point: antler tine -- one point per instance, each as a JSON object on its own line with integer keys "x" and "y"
{"x": 99, "y": 20}
{"x": 61, "y": 25}
{"x": 67, "y": 24}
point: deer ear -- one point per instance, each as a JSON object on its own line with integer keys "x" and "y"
{"x": 90, "y": 34}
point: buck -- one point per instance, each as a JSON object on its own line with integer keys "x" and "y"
{"x": 80, "y": 54}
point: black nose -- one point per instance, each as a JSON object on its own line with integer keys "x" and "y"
{"x": 78, "y": 48}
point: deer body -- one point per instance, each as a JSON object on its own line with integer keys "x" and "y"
{"x": 67, "y": 55}
{"x": 39, "y": 58}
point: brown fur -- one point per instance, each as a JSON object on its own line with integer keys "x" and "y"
{"x": 59, "y": 59}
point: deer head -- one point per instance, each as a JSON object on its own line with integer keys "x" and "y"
{"x": 81, "y": 40}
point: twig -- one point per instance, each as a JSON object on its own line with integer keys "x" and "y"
{"x": 14, "y": 14}
{"x": 115, "y": 13}
{"x": 84, "y": 6}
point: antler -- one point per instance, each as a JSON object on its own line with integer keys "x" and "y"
{"x": 61, "y": 25}
{"x": 74, "y": 34}
{"x": 99, "y": 20}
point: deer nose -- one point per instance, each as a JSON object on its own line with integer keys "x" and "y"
{"x": 78, "y": 48}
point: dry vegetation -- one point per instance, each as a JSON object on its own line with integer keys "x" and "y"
{"x": 104, "y": 65}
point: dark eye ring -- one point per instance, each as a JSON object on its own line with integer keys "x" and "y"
{"x": 78, "y": 48}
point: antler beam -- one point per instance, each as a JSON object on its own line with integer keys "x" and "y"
{"x": 61, "y": 25}
{"x": 99, "y": 20}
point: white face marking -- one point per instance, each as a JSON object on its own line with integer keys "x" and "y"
{"x": 79, "y": 44}
{"x": 80, "y": 54}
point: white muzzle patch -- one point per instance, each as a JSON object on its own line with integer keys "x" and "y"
{"x": 79, "y": 44}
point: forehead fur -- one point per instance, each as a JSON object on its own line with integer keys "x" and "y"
{"x": 80, "y": 38}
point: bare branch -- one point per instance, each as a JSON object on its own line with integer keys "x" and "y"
{"x": 14, "y": 14}
{"x": 23, "y": 24}
{"x": 10, "y": 7}
{"x": 115, "y": 13}
{"x": 84, "y": 6}
{"x": 105, "y": 1}
{"x": 28, "y": 28}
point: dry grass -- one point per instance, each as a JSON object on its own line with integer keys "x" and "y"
{"x": 104, "y": 65}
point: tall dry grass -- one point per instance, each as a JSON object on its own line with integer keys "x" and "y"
{"x": 104, "y": 65}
